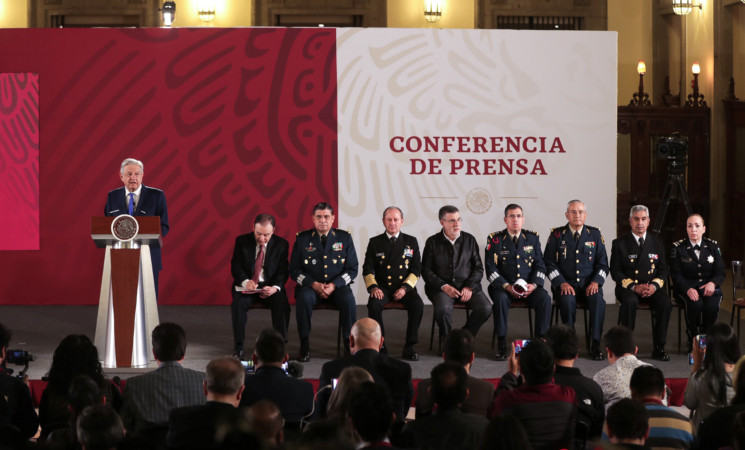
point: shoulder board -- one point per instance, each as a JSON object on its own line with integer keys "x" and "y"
{"x": 710, "y": 240}
{"x": 305, "y": 232}
{"x": 530, "y": 232}
{"x": 677, "y": 243}
{"x": 590, "y": 227}
{"x": 339, "y": 231}
{"x": 491, "y": 235}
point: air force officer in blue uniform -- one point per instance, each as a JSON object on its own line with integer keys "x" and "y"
{"x": 324, "y": 264}
{"x": 136, "y": 199}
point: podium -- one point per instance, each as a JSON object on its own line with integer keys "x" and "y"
{"x": 127, "y": 305}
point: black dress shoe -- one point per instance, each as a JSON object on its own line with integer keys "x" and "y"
{"x": 660, "y": 355}
{"x": 501, "y": 353}
{"x": 303, "y": 357}
{"x": 596, "y": 354}
{"x": 410, "y": 354}
{"x": 239, "y": 355}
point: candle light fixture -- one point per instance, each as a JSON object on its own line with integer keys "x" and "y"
{"x": 168, "y": 11}
{"x": 432, "y": 10}
{"x": 641, "y": 98}
{"x": 695, "y": 99}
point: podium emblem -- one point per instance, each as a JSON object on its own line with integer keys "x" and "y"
{"x": 124, "y": 228}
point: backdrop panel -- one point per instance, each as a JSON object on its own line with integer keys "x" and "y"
{"x": 478, "y": 119}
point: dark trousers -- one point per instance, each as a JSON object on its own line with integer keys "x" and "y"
{"x": 539, "y": 301}
{"x": 595, "y": 304}
{"x": 701, "y": 314}
{"x": 342, "y": 298}
{"x": 414, "y": 308}
{"x": 660, "y": 304}
{"x": 478, "y": 306}
{"x": 278, "y": 303}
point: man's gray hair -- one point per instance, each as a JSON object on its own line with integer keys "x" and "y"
{"x": 576, "y": 200}
{"x": 385, "y": 211}
{"x": 130, "y": 161}
{"x": 638, "y": 208}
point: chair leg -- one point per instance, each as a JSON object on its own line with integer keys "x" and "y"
{"x": 530, "y": 322}
{"x": 587, "y": 331}
{"x": 679, "y": 314}
{"x": 432, "y": 333}
{"x": 338, "y": 338}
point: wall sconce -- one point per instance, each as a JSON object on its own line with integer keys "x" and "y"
{"x": 683, "y": 7}
{"x": 433, "y": 10}
{"x": 641, "y": 98}
{"x": 168, "y": 11}
{"x": 695, "y": 99}
{"x": 206, "y": 10}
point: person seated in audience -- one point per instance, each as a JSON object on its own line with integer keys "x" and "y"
{"x": 270, "y": 382}
{"x": 265, "y": 419}
{"x": 710, "y": 384}
{"x": 545, "y": 409}
{"x": 738, "y": 431}
{"x": 325, "y": 435}
{"x": 628, "y": 424}
{"x": 459, "y": 346}
{"x": 715, "y": 430}
{"x": 350, "y": 379}
{"x": 83, "y": 392}
{"x": 448, "y": 427}
{"x": 505, "y": 432}
{"x": 19, "y": 406}
{"x": 667, "y": 428}
{"x": 697, "y": 270}
{"x": 75, "y": 355}
{"x": 99, "y": 427}
{"x": 148, "y": 399}
{"x": 621, "y": 351}
{"x": 195, "y": 427}
{"x": 371, "y": 416}
{"x": 590, "y": 406}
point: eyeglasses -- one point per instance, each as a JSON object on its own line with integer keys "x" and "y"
{"x": 454, "y": 221}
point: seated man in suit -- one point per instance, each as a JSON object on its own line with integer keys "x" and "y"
{"x": 136, "y": 199}
{"x": 459, "y": 347}
{"x": 99, "y": 427}
{"x": 365, "y": 342}
{"x": 324, "y": 265}
{"x": 371, "y": 415}
{"x": 270, "y": 382}
{"x": 637, "y": 265}
{"x": 148, "y": 399}
{"x": 260, "y": 268}
{"x": 195, "y": 427}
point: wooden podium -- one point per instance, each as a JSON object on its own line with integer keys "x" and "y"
{"x": 127, "y": 306}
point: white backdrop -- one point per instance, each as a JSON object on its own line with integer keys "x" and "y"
{"x": 477, "y": 119}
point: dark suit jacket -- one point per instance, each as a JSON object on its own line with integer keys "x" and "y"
{"x": 449, "y": 429}
{"x": 691, "y": 271}
{"x": 480, "y": 395}
{"x": 458, "y": 265}
{"x": 194, "y": 427}
{"x": 389, "y": 267}
{"x": 392, "y": 373}
{"x": 152, "y": 203}
{"x": 630, "y": 266}
{"x": 293, "y": 397}
{"x": 276, "y": 269}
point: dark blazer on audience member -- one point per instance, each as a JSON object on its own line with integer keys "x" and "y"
{"x": 276, "y": 264}
{"x": 194, "y": 427}
{"x": 480, "y": 395}
{"x": 590, "y": 404}
{"x": 447, "y": 430}
{"x": 392, "y": 373}
{"x": 293, "y": 397}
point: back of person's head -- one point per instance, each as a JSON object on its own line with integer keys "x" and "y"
{"x": 5, "y": 335}
{"x": 371, "y": 412}
{"x": 265, "y": 419}
{"x": 627, "y": 419}
{"x": 459, "y": 346}
{"x": 537, "y": 362}
{"x": 505, "y": 432}
{"x": 270, "y": 346}
{"x": 620, "y": 340}
{"x": 99, "y": 428}
{"x": 647, "y": 381}
{"x": 75, "y": 355}
{"x": 449, "y": 385}
{"x": 722, "y": 347}
{"x": 324, "y": 435}
{"x": 563, "y": 342}
{"x": 83, "y": 392}
{"x": 350, "y": 379}
{"x": 366, "y": 334}
{"x": 224, "y": 376}
{"x": 169, "y": 342}
{"x": 235, "y": 433}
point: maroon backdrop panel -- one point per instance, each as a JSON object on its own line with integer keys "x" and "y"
{"x": 229, "y": 123}
{"x": 19, "y": 161}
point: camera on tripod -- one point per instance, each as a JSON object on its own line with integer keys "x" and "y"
{"x": 675, "y": 149}
{"x": 18, "y": 358}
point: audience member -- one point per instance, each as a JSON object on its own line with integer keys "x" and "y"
{"x": 590, "y": 406}
{"x": 448, "y": 427}
{"x": 710, "y": 384}
{"x": 350, "y": 379}
{"x": 628, "y": 424}
{"x": 545, "y": 409}
{"x": 19, "y": 407}
{"x": 738, "y": 431}
{"x": 83, "y": 392}
{"x": 325, "y": 435}
{"x": 614, "y": 379}
{"x": 99, "y": 428}
{"x": 265, "y": 419}
{"x": 365, "y": 342}
{"x": 505, "y": 432}
{"x": 715, "y": 430}
{"x": 270, "y": 382}
{"x": 459, "y": 347}
{"x": 75, "y": 355}
{"x": 667, "y": 427}
{"x": 148, "y": 399}
{"x": 371, "y": 415}
{"x": 195, "y": 427}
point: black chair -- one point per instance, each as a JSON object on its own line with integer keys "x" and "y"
{"x": 581, "y": 304}
{"x": 456, "y": 305}
{"x": 738, "y": 283}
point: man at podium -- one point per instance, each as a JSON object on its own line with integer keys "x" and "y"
{"x": 137, "y": 199}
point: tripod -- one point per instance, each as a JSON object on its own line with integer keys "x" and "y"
{"x": 675, "y": 172}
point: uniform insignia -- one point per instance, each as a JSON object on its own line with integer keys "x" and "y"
{"x": 632, "y": 256}
{"x": 342, "y": 260}
{"x": 710, "y": 259}
{"x": 379, "y": 254}
{"x": 528, "y": 249}
{"x": 557, "y": 233}
{"x": 504, "y": 252}
{"x": 590, "y": 244}
{"x": 408, "y": 252}
{"x": 306, "y": 261}
{"x": 653, "y": 256}
{"x": 334, "y": 260}
{"x": 338, "y": 246}
{"x": 310, "y": 248}
{"x": 314, "y": 262}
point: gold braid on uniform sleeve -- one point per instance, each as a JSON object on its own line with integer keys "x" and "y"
{"x": 627, "y": 282}
{"x": 370, "y": 280}
{"x": 411, "y": 280}
{"x": 658, "y": 281}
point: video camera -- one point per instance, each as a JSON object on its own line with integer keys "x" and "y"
{"x": 18, "y": 358}
{"x": 675, "y": 149}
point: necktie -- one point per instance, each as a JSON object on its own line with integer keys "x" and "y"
{"x": 323, "y": 240}
{"x": 393, "y": 241}
{"x": 697, "y": 247}
{"x": 576, "y": 235}
{"x": 641, "y": 242}
{"x": 514, "y": 240}
{"x": 131, "y": 203}
{"x": 258, "y": 265}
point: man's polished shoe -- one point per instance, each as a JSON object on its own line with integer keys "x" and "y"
{"x": 596, "y": 354}
{"x": 501, "y": 353}
{"x": 660, "y": 355}
{"x": 303, "y": 357}
{"x": 239, "y": 355}
{"x": 410, "y": 354}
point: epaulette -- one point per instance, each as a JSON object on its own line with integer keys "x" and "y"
{"x": 304, "y": 231}
{"x": 677, "y": 243}
{"x": 710, "y": 240}
{"x": 590, "y": 227}
{"x": 530, "y": 232}
{"x": 342, "y": 232}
